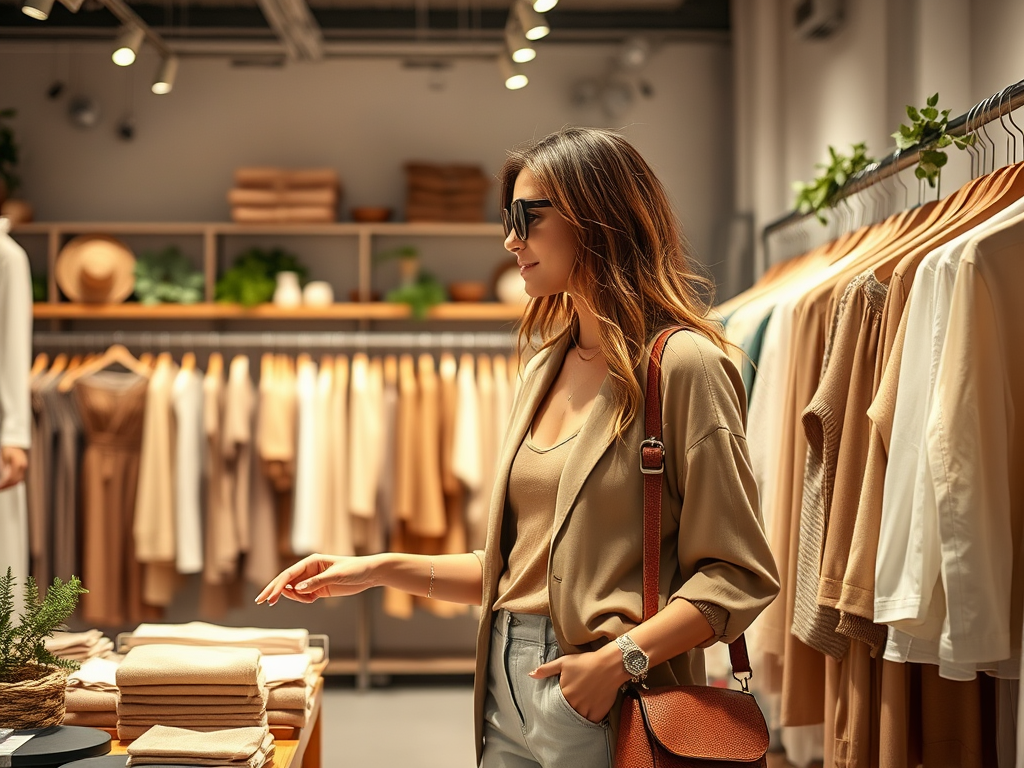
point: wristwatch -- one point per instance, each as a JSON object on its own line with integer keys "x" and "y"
{"x": 633, "y": 659}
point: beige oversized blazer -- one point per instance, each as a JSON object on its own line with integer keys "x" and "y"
{"x": 713, "y": 543}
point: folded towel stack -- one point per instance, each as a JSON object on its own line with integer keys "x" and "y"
{"x": 79, "y": 646}
{"x": 445, "y": 192}
{"x": 91, "y": 694}
{"x": 231, "y": 748}
{"x": 267, "y": 641}
{"x": 290, "y": 680}
{"x": 199, "y": 688}
{"x": 279, "y": 196}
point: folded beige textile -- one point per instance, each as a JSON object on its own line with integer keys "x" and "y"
{"x": 88, "y": 700}
{"x": 96, "y": 674}
{"x": 228, "y": 744}
{"x": 294, "y": 718}
{"x": 184, "y": 665}
{"x": 243, "y": 691}
{"x": 61, "y": 641}
{"x": 286, "y": 668}
{"x": 131, "y": 732}
{"x": 201, "y": 633}
{"x": 91, "y": 719}
{"x": 214, "y": 721}
{"x": 82, "y": 653}
{"x": 290, "y": 696}
{"x": 201, "y": 707}
{"x": 202, "y": 699}
{"x": 259, "y": 758}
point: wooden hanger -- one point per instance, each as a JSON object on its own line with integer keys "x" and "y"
{"x": 188, "y": 362}
{"x": 117, "y": 354}
{"x": 39, "y": 364}
{"x": 215, "y": 366}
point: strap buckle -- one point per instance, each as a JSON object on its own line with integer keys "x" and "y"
{"x": 743, "y": 680}
{"x": 659, "y": 468}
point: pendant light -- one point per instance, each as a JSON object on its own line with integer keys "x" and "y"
{"x": 164, "y": 81}
{"x": 37, "y": 9}
{"x": 543, "y": 6}
{"x": 512, "y": 75}
{"x": 534, "y": 25}
{"x": 127, "y": 45}
{"x": 519, "y": 48}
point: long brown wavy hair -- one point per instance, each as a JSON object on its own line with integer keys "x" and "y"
{"x": 632, "y": 269}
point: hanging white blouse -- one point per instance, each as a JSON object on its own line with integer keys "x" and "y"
{"x": 187, "y": 401}
{"x": 305, "y": 519}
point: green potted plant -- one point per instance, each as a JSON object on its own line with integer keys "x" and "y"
{"x": 167, "y": 277}
{"x": 32, "y": 680}
{"x": 408, "y": 262}
{"x": 253, "y": 277}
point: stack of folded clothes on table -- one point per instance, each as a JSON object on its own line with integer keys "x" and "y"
{"x": 290, "y": 680}
{"x": 277, "y": 195}
{"x": 241, "y": 747}
{"x": 199, "y": 688}
{"x": 445, "y": 192}
{"x": 79, "y": 646}
{"x": 91, "y": 694}
{"x": 267, "y": 641}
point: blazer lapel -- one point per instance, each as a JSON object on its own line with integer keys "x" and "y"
{"x": 534, "y": 388}
{"x": 597, "y": 434}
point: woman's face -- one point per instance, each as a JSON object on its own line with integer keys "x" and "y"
{"x": 547, "y": 256}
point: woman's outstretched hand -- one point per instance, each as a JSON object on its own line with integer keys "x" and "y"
{"x": 319, "y": 576}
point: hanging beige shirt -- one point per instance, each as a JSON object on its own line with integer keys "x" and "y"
{"x": 467, "y": 463}
{"x": 428, "y": 518}
{"x": 338, "y": 523}
{"x": 221, "y": 556}
{"x": 239, "y": 406}
{"x": 187, "y": 401}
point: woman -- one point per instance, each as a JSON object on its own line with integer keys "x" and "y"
{"x": 605, "y": 264}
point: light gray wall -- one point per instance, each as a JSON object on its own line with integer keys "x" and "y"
{"x": 363, "y": 117}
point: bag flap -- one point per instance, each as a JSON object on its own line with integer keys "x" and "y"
{"x": 705, "y": 722}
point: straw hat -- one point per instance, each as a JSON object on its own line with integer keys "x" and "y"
{"x": 96, "y": 269}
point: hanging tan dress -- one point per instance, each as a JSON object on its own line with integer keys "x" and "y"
{"x": 111, "y": 407}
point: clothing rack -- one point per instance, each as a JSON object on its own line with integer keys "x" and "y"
{"x": 213, "y": 340}
{"x": 987, "y": 111}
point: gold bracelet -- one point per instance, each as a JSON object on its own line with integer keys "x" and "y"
{"x": 430, "y": 589}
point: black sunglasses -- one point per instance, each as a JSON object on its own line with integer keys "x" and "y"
{"x": 514, "y": 217}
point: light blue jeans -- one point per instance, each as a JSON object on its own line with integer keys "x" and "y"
{"x": 527, "y": 722}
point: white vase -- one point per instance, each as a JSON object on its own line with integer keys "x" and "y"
{"x": 288, "y": 293}
{"x": 318, "y": 293}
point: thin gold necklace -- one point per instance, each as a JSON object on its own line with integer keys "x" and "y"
{"x": 580, "y": 349}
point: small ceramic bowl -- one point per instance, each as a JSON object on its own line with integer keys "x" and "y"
{"x": 467, "y": 291}
{"x": 371, "y": 213}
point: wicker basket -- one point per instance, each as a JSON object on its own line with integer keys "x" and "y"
{"x": 35, "y": 701}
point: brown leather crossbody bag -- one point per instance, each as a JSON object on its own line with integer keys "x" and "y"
{"x": 682, "y": 726}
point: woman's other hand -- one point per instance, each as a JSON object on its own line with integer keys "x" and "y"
{"x": 319, "y": 576}
{"x": 589, "y": 681}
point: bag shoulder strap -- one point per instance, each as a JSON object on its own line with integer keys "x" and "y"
{"x": 652, "y": 464}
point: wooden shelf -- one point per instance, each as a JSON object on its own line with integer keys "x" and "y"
{"x": 469, "y": 311}
{"x": 405, "y": 665}
{"x": 439, "y": 229}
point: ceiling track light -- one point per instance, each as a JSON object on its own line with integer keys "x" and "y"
{"x": 37, "y": 9}
{"x": 543, "y": 6}
{"x": 127, "y": 45}
{"x": 164, "y": 81}
{"x": 534, "y": 25}
{"x": 511, "y": 74}
{"x": 519, "y": 48}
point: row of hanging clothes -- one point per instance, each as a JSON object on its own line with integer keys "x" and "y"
{"x": 149, "y": 469}
{"x": 885, "y": 373}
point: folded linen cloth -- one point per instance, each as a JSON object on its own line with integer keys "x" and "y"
{"x": 91, "y": 719}
{"x": 287, "y": 668}
{"x": 96, "y": 675}
{"x": 88, "y": 700}
{"x": 158, "y": 713}
{"x": 269, "y": 641}
{"x": 220, "y": 721}
{"x": 291, "y": 717}
{"x": 229, "y": 744}
{"x": 259, "y": 758}
{"x": 204, "y": 700}
{"x": 61, "y": 641}
{"x": 290, "y": 696}
{"x": 180, "y": 691}
{"x": 182, "y": 665}
{"x": 101, "y": 649}
{"x": 132, "y": 732}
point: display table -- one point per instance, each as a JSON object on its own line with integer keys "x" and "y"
{"x": 293, "y": 747}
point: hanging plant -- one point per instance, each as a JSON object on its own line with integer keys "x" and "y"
{"x": 929, "y": 124}
{"x": 821, "y": 193}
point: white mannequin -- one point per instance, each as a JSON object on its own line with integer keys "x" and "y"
{"x": 15, "y": 404}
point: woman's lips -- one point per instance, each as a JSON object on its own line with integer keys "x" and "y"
{"x": 524, "y": 268}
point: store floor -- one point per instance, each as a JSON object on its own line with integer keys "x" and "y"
{"x": 417, "y": 726}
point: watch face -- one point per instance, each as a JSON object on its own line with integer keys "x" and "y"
{"x": 635, "y": 662}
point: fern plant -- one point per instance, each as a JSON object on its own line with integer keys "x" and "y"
{"x": 22, "y": 642}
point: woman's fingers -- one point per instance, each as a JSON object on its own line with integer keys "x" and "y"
{"x": 272, "y": 592}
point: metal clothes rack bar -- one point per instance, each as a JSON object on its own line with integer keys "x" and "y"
{"x": 987, "y": 111}
{"x": 212, "y": 340}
